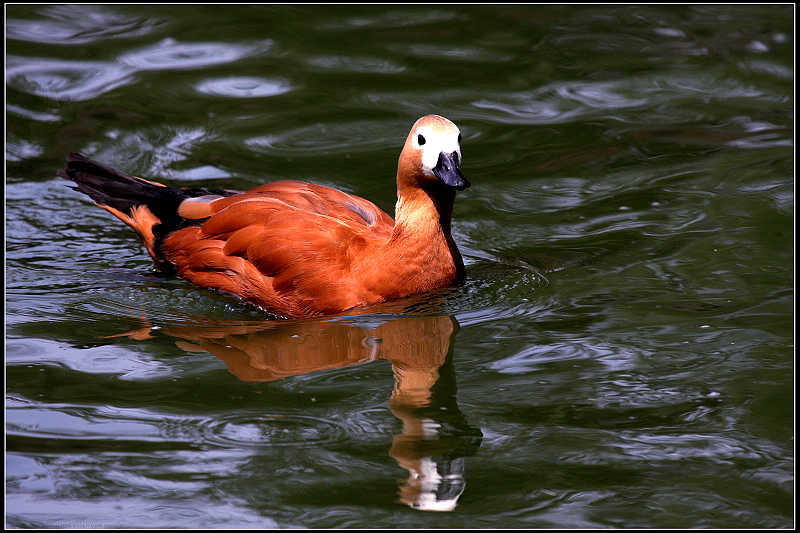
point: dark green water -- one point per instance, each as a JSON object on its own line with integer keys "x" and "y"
{"x": 621, "y": 354}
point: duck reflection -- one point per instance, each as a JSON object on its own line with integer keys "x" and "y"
{"x": 435, "y": 435}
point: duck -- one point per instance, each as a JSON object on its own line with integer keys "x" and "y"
{"x": 294, "y": 248}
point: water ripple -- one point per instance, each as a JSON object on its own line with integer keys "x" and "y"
{"x": 492, "y": 285}
{"x": 172, "y": 54}
{"x": 65, "y": 80}
{"x": 41, "y": 116}
{"x": 458, "y": 53}
{"x": 243, "y": 87}
{"x": 533, "y": 358}
{"x": 84, "y": 80}
{"x": 78, "y": 422}
{"x": 77, "y": 24}
{"x": 372, "y": 65}
{"x": 393, "y": 19}
{"x": 346, "y": 137}
{"x": 666, "y": 447}
{"x": 19, "y": 149}
{"x": 560, "y": 102}
{"x": 262, "y": 430}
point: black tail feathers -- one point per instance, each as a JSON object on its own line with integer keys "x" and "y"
{"x": 115, "y": 189}
{"x": 112, "y": 188}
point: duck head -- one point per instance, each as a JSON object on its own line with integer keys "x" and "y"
{"x": 431, "y": 156}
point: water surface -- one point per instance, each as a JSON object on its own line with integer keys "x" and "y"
{"x": 620, "y": 355}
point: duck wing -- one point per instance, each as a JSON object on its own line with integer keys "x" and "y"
{"x": 287, "y": 246}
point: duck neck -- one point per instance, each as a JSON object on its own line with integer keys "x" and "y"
{"x": 422, "y": 231}
{"x": 423, "y": 212}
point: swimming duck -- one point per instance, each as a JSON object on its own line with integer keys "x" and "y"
{"x": 293, "y": 248}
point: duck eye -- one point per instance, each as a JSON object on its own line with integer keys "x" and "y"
{"x": 420, "y": 140}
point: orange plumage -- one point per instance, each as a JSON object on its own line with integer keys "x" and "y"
{"x": 297, "y": 249}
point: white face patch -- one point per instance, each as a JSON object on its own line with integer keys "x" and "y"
{"x": 433, "y": 142}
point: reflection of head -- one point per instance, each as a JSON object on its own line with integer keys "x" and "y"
{"x": 433, "y": 443}
{"x": 435, "y": 484}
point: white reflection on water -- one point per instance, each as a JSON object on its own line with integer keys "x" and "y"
{"x": 160, "y": 149}
{"x": 533, "y": 358}
{"x": 33, "y": 115}
{"x": 243, "y": 87}
{"x": 19, "y": 149}
{"x": 78, "y": 24}
{"x": 172, "y": 54}
{"x": 65, "y": 80}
